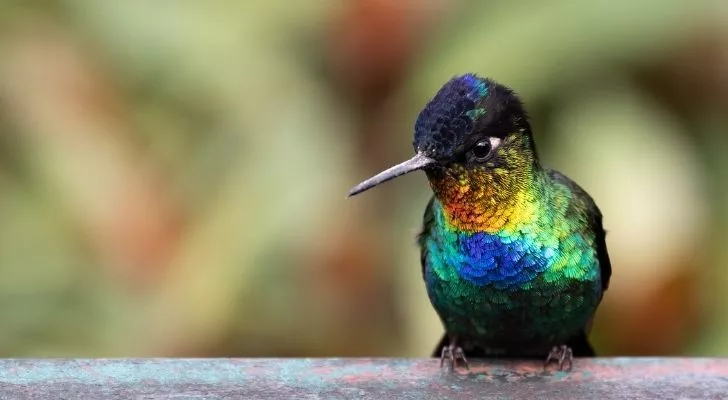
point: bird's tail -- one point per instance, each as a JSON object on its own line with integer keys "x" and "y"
{"x": 579, "y": 344}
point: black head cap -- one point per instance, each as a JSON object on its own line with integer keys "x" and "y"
{"x": 464, "y": 107}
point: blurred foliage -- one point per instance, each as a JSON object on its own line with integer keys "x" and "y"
{"x": 173, "y": 174}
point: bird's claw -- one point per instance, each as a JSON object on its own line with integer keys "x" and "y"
{"x": 561, "y": 354}
{"x": 453, "y": 352}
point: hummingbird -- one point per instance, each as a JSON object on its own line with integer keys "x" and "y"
{"x": 513, "y": 254}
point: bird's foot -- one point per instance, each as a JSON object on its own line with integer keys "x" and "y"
{"x": 453, "y": 352}
{"x": 561, "y": 354}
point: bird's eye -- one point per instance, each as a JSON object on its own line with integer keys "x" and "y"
{"x": 481, "y": 150}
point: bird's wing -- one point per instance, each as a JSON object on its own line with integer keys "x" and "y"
{"x": 580, "y": 343}
{"x": 602, "y": 255}
{"x": 427, "y": 221}
{"x": 595, "y": 224}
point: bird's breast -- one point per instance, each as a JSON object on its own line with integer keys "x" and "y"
{"x": 511, "y": 289}
{"x": 499, "y": 261}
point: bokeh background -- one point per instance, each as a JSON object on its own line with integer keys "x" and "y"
{"x": 173, "y": 173}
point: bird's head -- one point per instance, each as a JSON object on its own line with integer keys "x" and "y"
{"x": 474, "y": 142}
{"x": 472, "y": 136}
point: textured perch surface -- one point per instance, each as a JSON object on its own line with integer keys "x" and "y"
{"x": 643, "y": 378}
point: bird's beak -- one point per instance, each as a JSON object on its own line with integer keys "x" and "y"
{"x": 419, "y": 161}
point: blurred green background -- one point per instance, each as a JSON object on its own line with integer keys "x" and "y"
{"x": 173, "y": 174}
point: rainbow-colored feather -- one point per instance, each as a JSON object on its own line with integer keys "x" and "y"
{"x": 533, "y": 279}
